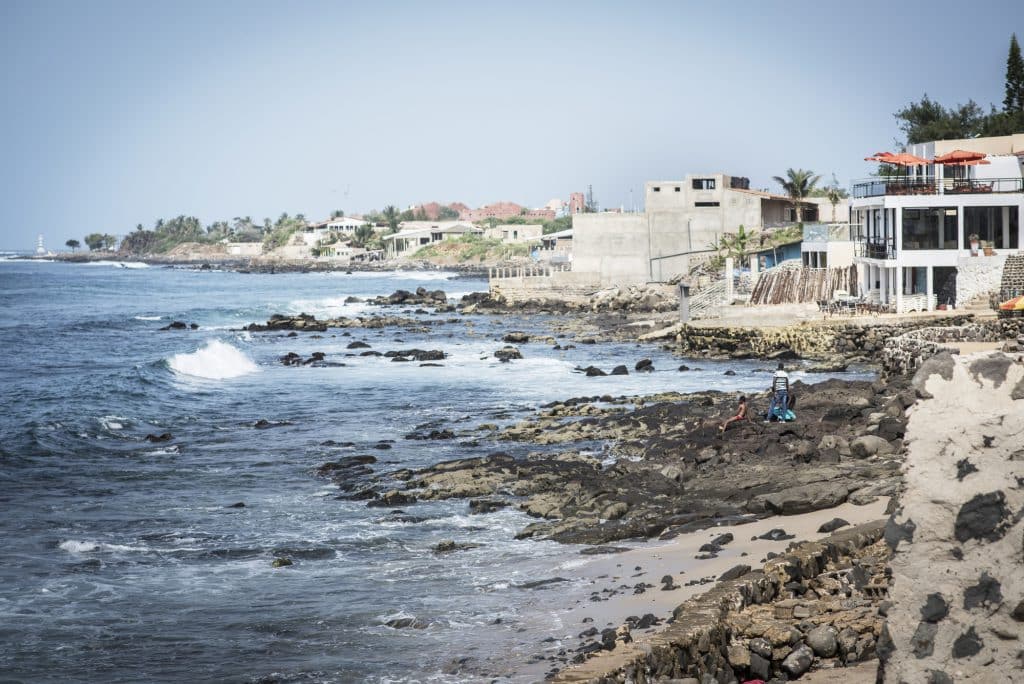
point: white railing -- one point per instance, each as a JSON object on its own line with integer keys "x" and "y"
{"x": 501, "y": 272}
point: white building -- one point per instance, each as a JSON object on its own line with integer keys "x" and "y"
{"x": 914, "y": 231}
{"x": 412, "y": 235}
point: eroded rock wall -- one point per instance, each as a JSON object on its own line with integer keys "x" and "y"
{"x": 958, "y": 567}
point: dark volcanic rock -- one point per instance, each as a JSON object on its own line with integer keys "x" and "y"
{"x": 833, "y": 525}
{"x": 644, "y": 366}
{"x": 162, "y": 437}
{"x": 987, "y": 592}
{"x": 935, "y": 608}
{"x": 967, "y": 644}
{"x": 620, "y": 370}
{"x": 985, "y": 516}
{"x": 734, "y": 572}
{"x": 507, "y": 354}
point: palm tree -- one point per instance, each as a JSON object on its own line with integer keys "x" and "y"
{"x": 798, "y": 184}
{"x": 362, "y": 235}
{"x": 391, "y": 217}
{"x": 73, "y": 244}
{"x": 736, "y": 245}
{"x": 834, "y": 194}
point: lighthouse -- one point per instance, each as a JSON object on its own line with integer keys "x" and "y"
{"x": 40, "y": 250}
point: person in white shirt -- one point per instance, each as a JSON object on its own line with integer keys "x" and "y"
{"x": 780, "y": 394}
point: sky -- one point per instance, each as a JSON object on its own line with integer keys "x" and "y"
{"x": 120, "y": 113}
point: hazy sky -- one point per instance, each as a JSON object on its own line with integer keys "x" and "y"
{"x": 117, "y": 113}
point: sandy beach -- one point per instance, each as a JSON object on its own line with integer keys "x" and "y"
{"x": 652, "y": 561}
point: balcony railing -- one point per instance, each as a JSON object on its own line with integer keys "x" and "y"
{"x": 874, "y": 248}
{"x": 876, "y": 187}
{"x": 827, "y": 232}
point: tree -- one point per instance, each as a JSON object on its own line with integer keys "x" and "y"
{"x": 798, "y": 184}
{"x": 337, "y": 213}
{"x": 390, "y": 214}
{"x": 735, "y": 245}
{"x": 73, "y": 244}
{"x": 928, "y": 120}
{"x": 362, "y": 235}
{"x": 834, "y": 194}
{"x": 447, "y": 214}
{"x": 94, "y": 241}
{"x": 109, "y": 241}
{"x": 1014, "y": 100}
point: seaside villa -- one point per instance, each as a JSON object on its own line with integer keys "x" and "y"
{"x": 937, "y": 230}
{"x": 415, "y": 234}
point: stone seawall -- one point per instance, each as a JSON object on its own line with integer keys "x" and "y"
{"x": 826, "y": 598}
{"x": 958, "y": 568}
{"x": 810, "y": 340}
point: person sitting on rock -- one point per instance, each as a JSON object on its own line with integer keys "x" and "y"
{"x": 780, "y": 394}
{"x": 741, "y": 414}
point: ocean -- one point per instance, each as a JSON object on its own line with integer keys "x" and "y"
{"x": 127, "y": 560}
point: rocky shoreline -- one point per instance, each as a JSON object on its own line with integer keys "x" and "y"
{"x": 601, "y": 470}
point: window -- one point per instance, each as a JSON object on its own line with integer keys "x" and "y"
{"x": 706, "y": 204}
{"x": 703, "y": 183}
{"x": 929, "y": 228}
{"x": 434, "y": 237}
{"x": 677, "y": 188}
{"x": 997, "y": 226}
{"x": 656, "y": 188}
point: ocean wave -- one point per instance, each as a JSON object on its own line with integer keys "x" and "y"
{"x": 216, "y": 361}
{"x": 148, "y": 318}
{"x": 76, "y": 546}
{"x": 117, "y": 264}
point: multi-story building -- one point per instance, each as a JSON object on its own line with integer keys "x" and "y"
{"x": 914, "y": 230}
{"x": 682, "y": 218}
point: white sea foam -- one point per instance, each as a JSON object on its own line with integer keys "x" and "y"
{"x": 216, "y": 361}
{"x": 329, "y": 306}
{"x": 75, "y": 546}
{"x": 148, "y": 318}
{"x": 117, "y": 264}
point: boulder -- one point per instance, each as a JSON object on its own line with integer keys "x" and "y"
{"x": 620, "y": 370}
{"x": 870, "y": 445}
{"x": 516, "y": 337}
{"x": 822, "y": 640}
{"x": 799, "y": 661}
{"x": 506, "y": 354}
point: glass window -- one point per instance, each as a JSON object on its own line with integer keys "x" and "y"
{"x": 929, "y": 228}
{"x": 703, "y": 183}
{"x": 995, "y": 226}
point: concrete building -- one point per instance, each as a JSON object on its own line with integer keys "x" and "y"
{"x": 827, "y": 245}
{"x": 682, "y": 218}
{"x": 914, "y": 231}
{"x": 577, "y": 203}
{"x": 498, "y": 210}
{"x": 412, "y": 235}
{"x": 515, "y": 232}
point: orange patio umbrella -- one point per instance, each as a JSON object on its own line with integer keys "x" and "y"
{"x": 1015, "y": 304}
{"x": 961, "y": 157}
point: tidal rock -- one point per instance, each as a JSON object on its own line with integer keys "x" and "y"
{"x": 734, "y": 572}
{"x": 516, "y": 337}
{"x": 591, "y": 372}
{"x": 644, "y": 366}
{"x": 403, "y": 623}
{"x": 822, "y": 640}
{"x": 870, "y": 445}
{"x": 620, "y": 370}
{"x": 833, "y": 525}
{"x": 448, "y": 545}
{"x": 799, "y": 661}
{"x": 357, "y": 345}
{"x": 162, "y": 437}
{"x": 281, "y": 563}
{"x": 777, "y": 534}
{"x": 479, "y": 506}
{"x": 507, "y": 354}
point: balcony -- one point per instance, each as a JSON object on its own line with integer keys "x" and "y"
{"x": 828, "y": 232}
{"x": 917, "y": 185}
{"x": 874, "y": 248}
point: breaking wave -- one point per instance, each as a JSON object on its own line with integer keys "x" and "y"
{"x": 216, "y": 361}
